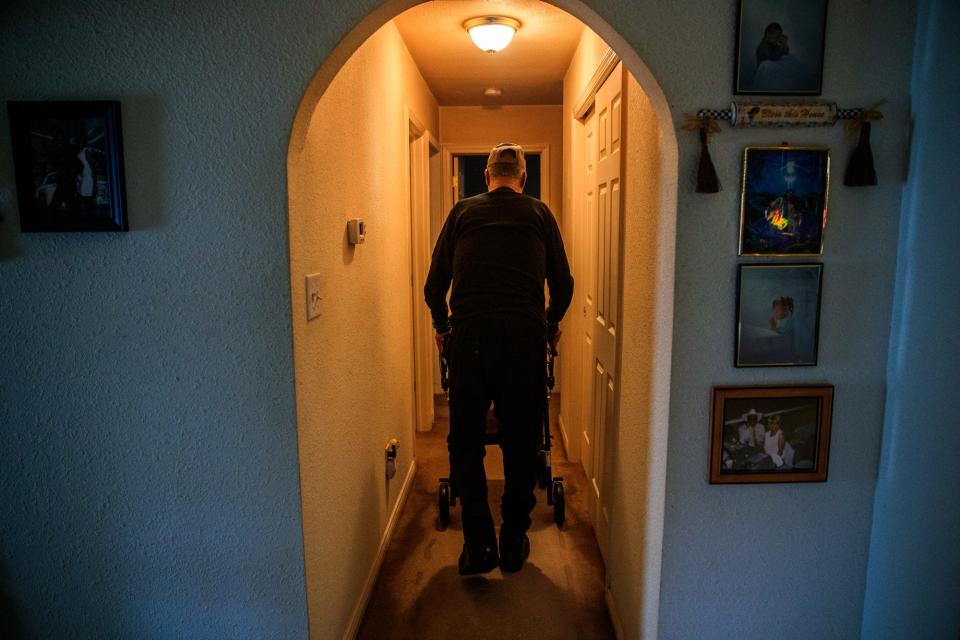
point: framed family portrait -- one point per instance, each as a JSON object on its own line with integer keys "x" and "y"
{"x": 778, "y": 315}
{"x": 780, "y": 47}
{"x": 770, "y": 434}
{"x": 68, "y": 162}
{"x": 783, "y": 201}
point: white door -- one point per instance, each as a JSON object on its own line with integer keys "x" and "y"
{"x": 585, "y": 247}
{"x": 423, "y": 345}
{"x": 604, "y": 295}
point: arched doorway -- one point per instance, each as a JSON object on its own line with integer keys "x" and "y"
{"x": 638, "y": 469}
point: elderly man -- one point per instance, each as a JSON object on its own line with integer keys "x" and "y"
{"x": 497, "y": 248}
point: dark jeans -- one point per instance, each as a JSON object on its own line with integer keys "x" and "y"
{"x": 498, "y": 360}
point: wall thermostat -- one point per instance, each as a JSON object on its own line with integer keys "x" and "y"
{"x": 356, "y": 231}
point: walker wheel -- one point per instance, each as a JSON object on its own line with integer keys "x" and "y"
{"x": 444, "y": 504}
{"x": 559, "y": 507}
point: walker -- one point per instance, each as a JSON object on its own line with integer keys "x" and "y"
{"x": 555, "y": 498}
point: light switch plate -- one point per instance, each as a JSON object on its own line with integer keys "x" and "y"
{"x": 313, "y": 296}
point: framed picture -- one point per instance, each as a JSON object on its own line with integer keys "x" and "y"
{"x": 68, "y": 161}
{"x": 770, "y": 434}
{"x": 780, "y": 47}
{"x": 783, "y": 201}
{"x": 778, "y": 315}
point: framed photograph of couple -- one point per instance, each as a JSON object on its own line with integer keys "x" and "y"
{"x": 778, "y": 315}
{"x": 783, "y": 201}
{"x": 780, "y": 47}
{"x": 770, "y": 434}
{"x": 68, "y": 163}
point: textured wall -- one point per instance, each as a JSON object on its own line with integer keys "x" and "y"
{"x": 353, "y": 363}
{"x": 913, "y": 582}
{"x": 636, "y": 477}
{"x": 782, "y": 560}
{"x": 150, "y": 456}
{"x": 148, "y": 466}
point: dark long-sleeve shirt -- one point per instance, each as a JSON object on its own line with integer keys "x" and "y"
{"x": 497, "y": 248}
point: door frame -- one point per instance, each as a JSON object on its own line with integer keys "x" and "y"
{"x": 419, "y": 140}
{"x": 453, "y": 149}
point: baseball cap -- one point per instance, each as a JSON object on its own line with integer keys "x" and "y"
{"x": 507, "y": 153}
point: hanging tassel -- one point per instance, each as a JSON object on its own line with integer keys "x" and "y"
{"x": 860, "y": 169}
{"x": 707, "y": 181}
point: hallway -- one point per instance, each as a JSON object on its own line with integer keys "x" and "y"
{"x": 558, "y": 594}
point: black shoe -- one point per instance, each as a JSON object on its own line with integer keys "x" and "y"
{"x": 482, "y": 561}
{"x": 514, "y": 550}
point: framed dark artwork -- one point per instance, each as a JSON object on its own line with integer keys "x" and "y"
{"x": 770, "y": 434}
{"x": 780, "y": 47}
{"x": 68, "y": 161}
{"x": 778, "y": 315}
{"x": 783, "y": 201}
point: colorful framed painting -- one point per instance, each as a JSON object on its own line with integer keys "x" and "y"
{"x": 783, "y": 201}
{"x": 68, "y": 162}
{"x": 770, "y": 434}
{"x": 780, "y": 47}
{"x": 778, "y": 315}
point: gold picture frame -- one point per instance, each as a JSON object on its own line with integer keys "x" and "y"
{"x": 770, "y": 434}
{"x": 784, "y": 197}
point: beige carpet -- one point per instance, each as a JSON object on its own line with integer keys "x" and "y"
{"x": 558, "y": 594}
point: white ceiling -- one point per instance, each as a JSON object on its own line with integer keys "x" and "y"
{"x": 529, "y": 71}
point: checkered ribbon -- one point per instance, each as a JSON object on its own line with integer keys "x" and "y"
{"x": 726, "y": 114}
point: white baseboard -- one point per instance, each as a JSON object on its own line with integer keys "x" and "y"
{"x": 563, "y": 435}
{"x": 614, "y": 613}
{"x": 361, "y": 607}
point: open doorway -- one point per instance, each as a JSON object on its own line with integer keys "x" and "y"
{"x": 359, "y": 376}
{"x": 468, "y": 171}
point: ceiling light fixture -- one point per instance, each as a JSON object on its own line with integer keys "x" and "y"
{"x": 492, "y": 92}
{"x": 491, "y": 33}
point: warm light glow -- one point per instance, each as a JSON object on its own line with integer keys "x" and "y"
{"x": 776, "y": 218}
{"x": 491, "y": 33}
{"x": 492, "y": 91}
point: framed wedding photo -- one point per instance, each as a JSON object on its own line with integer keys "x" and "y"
{"x": 780, "y": 47}
{"x": 68, "y": 162}
{"x": 770, "y": 434}
{"x": 783, "y": 200}
{"x": 778, "y": 315}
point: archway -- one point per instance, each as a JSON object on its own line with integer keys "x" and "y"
{"x": 639, "y": 469}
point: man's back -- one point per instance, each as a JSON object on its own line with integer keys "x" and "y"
{"x": 498, "y": 247}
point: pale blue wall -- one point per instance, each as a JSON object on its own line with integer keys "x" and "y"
{"x": 149, "y": 481}
{"x": 913, "y": 581}
{"x": 148, "y": 453}
{"x": 785, "y": 561}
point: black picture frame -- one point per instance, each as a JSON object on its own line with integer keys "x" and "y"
{"x": 68, "y": 163}
{"x": 788, "y": 62}
{"x": 746, "y": 445}
{"x": 778, "y": 315}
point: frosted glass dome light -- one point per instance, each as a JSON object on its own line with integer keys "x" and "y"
{"x": 491, "y": 33}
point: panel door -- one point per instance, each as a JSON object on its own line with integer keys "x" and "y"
{"x": 586, "y": 256}
{"x": 605, "y": 285}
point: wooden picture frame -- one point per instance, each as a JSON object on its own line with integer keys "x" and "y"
{"x": 68, "y": 162}
{"x": 780, "y": 47}
{"x": 793, "y": 421}
{"x": 778, "y": 315}
{"x": 783, "y": 200}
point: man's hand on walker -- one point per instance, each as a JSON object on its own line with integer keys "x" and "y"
{"x": 441, "y": 339}
{"x": 553, "y": 334}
